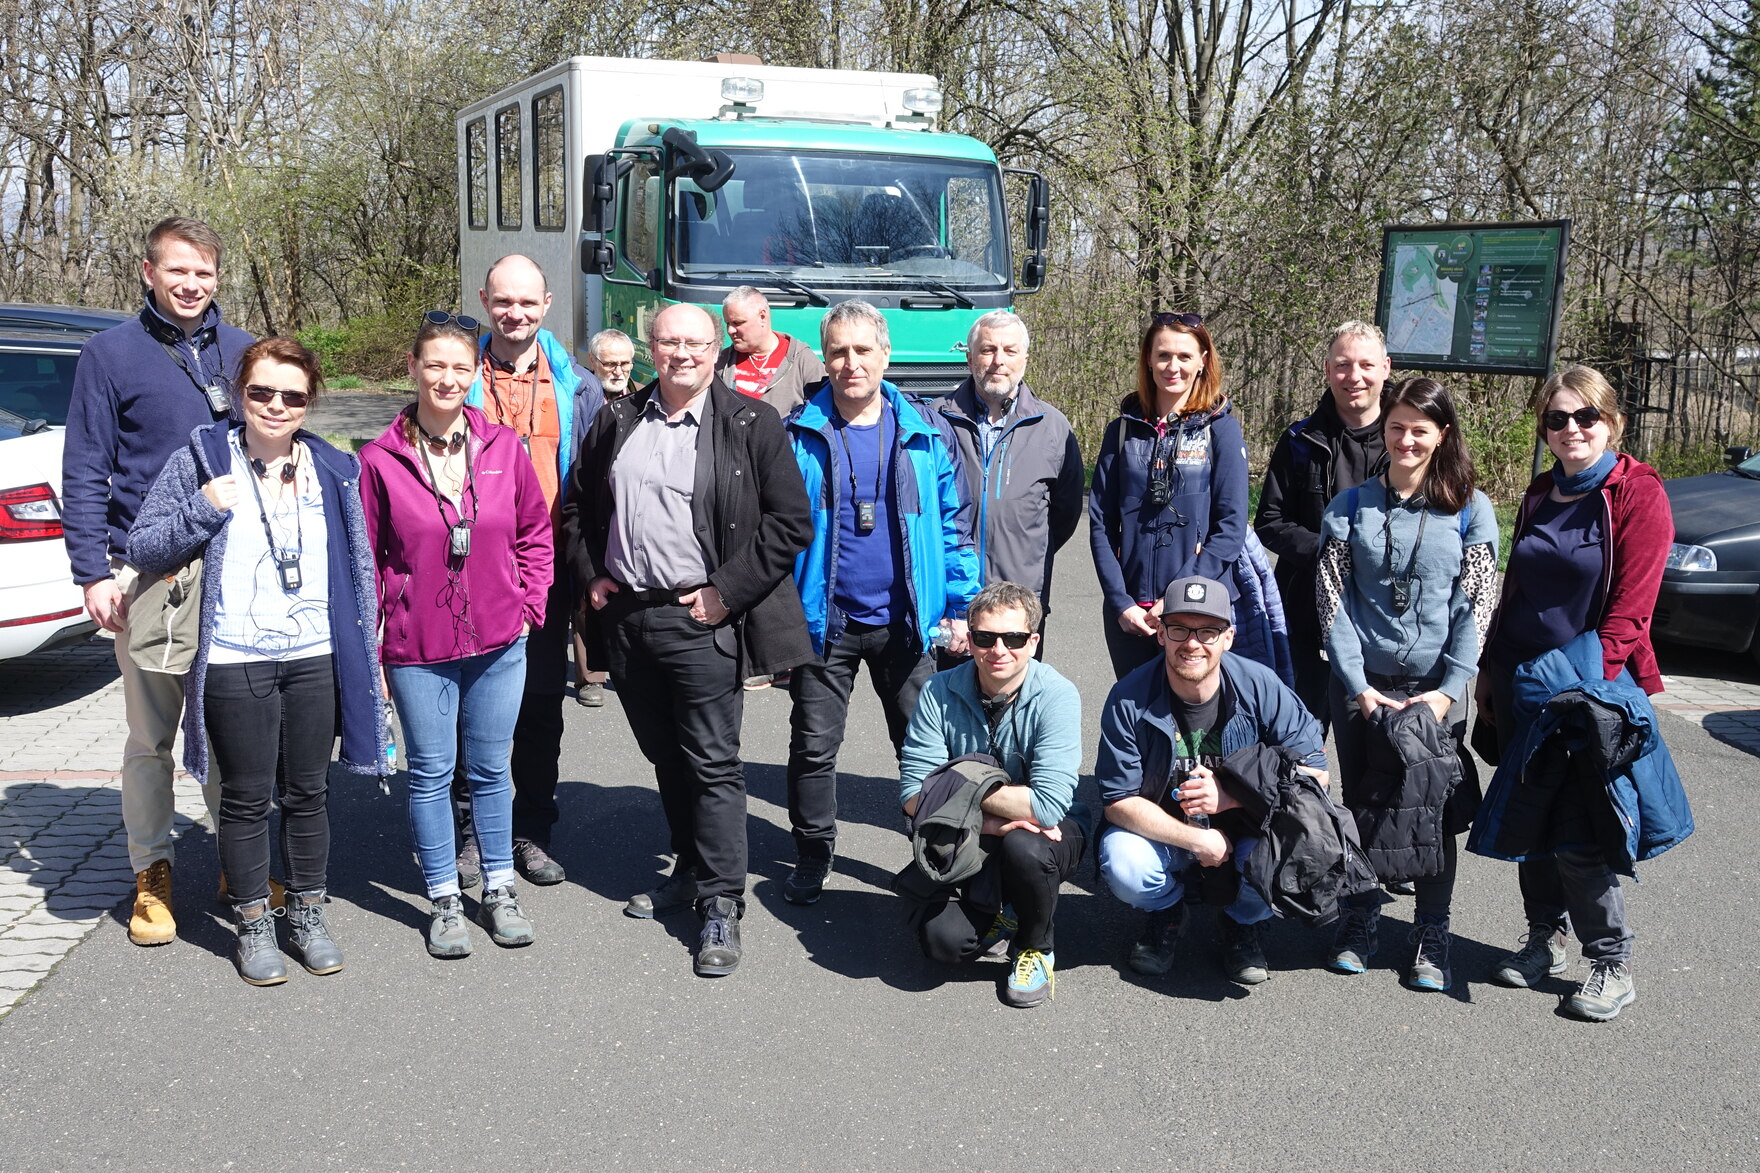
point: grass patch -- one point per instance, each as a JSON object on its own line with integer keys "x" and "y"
{"x": 347, "y": 383}
{"x": 344, "y": 443}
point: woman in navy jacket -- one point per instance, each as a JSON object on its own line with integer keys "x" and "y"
{"x": 1169, "y": 495}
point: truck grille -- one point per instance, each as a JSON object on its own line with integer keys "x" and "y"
{"x": 929, "y": 380}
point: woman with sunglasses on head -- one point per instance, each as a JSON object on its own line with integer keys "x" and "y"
{"x": 463, "y": 544}
{"x": 1407, "y": 574}
{"x": 1591, "y": 539}
{"x": 1169, "y": 493}
{"x": 284, "y": 647}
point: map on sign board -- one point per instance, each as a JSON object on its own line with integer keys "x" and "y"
{"x": 1472, "y": 297}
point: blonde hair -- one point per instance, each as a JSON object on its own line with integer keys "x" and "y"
{"x": 1357, "y": 329}
{"x": 1594, "y": 389}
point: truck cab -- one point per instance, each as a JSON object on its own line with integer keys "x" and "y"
{"x": 830, "y": 186}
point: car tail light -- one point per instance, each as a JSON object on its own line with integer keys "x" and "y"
{"x": 29, "y": 514}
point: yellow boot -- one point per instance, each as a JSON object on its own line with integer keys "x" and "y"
{"x": 152, "y": 923}
{"x": 277, "y": 892}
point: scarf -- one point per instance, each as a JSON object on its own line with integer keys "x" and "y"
{"x": 1589, "y": 479}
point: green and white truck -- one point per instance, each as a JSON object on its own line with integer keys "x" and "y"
{"x": 641, "y": 184}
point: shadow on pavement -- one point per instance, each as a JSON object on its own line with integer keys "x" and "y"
{"x": 47, "y": 680}
{"x": 1739, "y": 730}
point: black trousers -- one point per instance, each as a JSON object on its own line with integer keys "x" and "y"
{"x": 1313, "y": 677}
{"x": 684, "y": 700}
{"x": 1030, "y": 869}
{"x": 537, "y": 735}
{"x": 1128, "y": 652}
{"x": 821, "y": 709}
{"x": 271, "y": 727}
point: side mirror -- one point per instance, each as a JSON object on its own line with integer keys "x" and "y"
{"x": 597, "y": 257}
{"x": 1737, "y": 455}
{"x": 709, "y": 170}
{"x": 598, "y": 194}
{"x": 1038, "y": 214}
{"x": 1033, "y": 273}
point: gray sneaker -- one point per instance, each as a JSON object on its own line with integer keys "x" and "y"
{"x": 501, "y": 914}
{"x": 806, "y": 883}
{"x": 311, "y": 935}
{"x": 1356, "y": 940}
{"x": 1604, "y": 993}
{"x": 1541, "y": 955}
{"x": 259, "y": 959}
{"x": 1429, "y": 969}
{"x": 1243, "y": 957}
{"x": 447, "y": 935}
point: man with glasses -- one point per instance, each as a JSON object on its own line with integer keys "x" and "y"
{"x": 528, "y": 381}
{"x": 1165, "y": 728}
{"x": 1027, "y": 717}
{"x": 890, "y": 560}
{"x": 760, "y": 361}
{"x": 139, "y": 390}
{"x": 611, "y": 357}
{"x": 684, "y": 516}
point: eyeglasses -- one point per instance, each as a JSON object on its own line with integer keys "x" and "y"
{"x": 1015, "y": 640}
{"x": 616, "y": 366}
{"x": 668, "y": 345}
{"x": 442, "y": 318}
{"x": 1166, "y": 319}
{"x": 293, "y": 399}
{"x": 1179, "y": 633}
{"x": 1586, "y": 417}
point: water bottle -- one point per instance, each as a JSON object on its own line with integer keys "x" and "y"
{"x": 943, "y": 636}
{"x": 390, "y": 741}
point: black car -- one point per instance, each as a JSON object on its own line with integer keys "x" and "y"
{"x": 1711, "y": 587}
{"x": 39, "y": 347}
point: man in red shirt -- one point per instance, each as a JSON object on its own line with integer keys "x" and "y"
{"x": 760, "y": 362}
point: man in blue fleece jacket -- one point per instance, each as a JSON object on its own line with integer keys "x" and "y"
{"x": 1021, "y": 712}
{"x": 139, "y": 390}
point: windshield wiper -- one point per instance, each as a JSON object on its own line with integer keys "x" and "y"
{"x": 813, "y": 296}
{"x": 959, "y": 299}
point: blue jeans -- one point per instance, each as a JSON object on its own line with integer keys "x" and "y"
{"x": 479, "y": 695}
{"x": 1152, "y": 876}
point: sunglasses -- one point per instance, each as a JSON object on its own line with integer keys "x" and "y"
{"x": 442, "y": 318}
{"x": 292, "y": 399}
{"x": 1166, "y": 319}
{"x": 1586, "y": 417}
{"x": 1015, "y": 640}
{"x": 1179, "y": 633}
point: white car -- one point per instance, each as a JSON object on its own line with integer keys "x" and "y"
{"x": 40, "y": 605}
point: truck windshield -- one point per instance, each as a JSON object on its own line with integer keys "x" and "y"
{"x": 824, "y": 218}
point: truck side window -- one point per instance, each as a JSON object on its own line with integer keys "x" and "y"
{"x": 641, "y": 216}
{"x": 507, "y": 173}
{"x": 476, "y": 151}
{"x": 548, "y": 151}
{"x": 972, "y": 229}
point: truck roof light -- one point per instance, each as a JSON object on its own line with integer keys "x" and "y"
{"x": 923, "y": 101}
{"x": 742, "y": 89}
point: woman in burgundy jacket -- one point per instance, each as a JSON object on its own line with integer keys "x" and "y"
{"x": 1590, "y": 542}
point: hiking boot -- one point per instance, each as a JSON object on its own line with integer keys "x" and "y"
{"x": 259, "y": 960}
{"x": 590, "y": 695}
{"x": 470, "y": 865}
{"x": 447, "y": 935}
{"x": 535, "y": 864}
{"x": 152, "y": 923}
{"x": 1002, "y": 928}
{"x": 1604, "y": 993}
{"x": 1153, "y": 953}
{"x": 1243, "y": 957}
{"x": 277, "y": 892}
{"x": 1033, "y": 980}
{"x": 501, "y": 914}
{"x": 718, "y": 945}
{"x": 311, "y": 936}
{"x": 1429, "y": 970}
{"x": 1541, "y": 955}
{"x": 807, "y": 882}
{"x": 677, "y": 891}
{"x": 1356, "y": 940}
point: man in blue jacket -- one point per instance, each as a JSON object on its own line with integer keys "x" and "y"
{"x": 1029, "y": 718}
{"x": 528, "y": 381}
{"x": 1165, "y": 728}
{"x": 139, "y": 390}
{"x": 891, "y": 558}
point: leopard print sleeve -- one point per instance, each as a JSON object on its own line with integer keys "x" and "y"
{"x": 1335, "y": 571}
{"x": 1479, "y": 582}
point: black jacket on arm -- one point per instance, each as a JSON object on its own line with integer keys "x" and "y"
{"x": 752, "y": 520}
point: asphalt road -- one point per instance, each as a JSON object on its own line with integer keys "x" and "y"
{"x": 360, "y": 415}
{"x": 835, "y": 1046}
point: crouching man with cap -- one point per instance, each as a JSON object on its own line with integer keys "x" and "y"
{"x": 1024, "y": 715}
{"x": 1165, "y": 728}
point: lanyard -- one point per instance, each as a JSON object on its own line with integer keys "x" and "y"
{"x": 504, "y": 409}
{"x": 210, "y": 391}
{"x": 286, "y": 561}
{"x": 470, "y": 485}
{"x": 1402, "y": 584}
{"x": 879, "y": 453}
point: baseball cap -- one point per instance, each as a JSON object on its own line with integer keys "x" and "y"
{"x": 1198, "y": 596}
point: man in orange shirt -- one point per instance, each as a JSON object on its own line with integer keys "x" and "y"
{"x": 528, "y": 381}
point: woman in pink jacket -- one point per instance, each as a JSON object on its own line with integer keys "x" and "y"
{"x": 462, "y": 543}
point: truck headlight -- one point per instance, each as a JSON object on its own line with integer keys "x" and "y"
{"x": 1682, "y": 556}
{"x": 742, "y": 89}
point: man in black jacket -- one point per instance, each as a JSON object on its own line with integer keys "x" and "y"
{"x": 684, "y": 516}
{"x": 1338, "y": 446}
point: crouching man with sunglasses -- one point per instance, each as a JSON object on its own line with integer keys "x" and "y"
{"x": 1165, "y": 728}
{"x": 1025, "y": 715}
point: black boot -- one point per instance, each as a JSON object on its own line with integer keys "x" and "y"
{"x": 718, "y": 947}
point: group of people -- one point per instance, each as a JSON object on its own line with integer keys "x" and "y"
{"x": 754, "y": 516}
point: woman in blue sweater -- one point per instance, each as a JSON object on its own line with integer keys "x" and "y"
{"x": 1408, "y": 568}
{"x": 1169, "y": 495}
